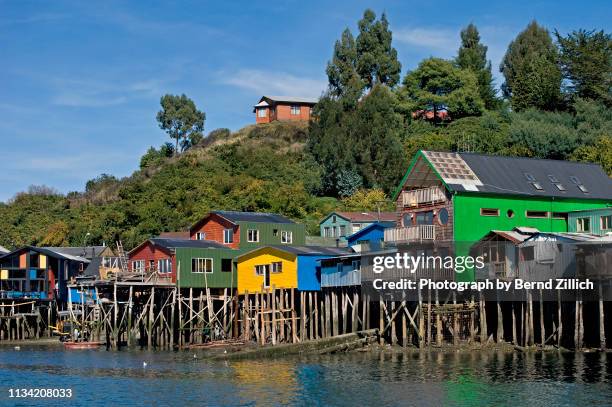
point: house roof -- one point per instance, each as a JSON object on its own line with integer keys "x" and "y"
{"x": 290, "y": 99}
{"x": 480, "y": 173}
{"x": 87, "y": 252}
{"x": 175, "y": 235}
{"x": 563, "y": 236}
{"x": 364, "y": 216}
{"x": 383, "y": 225}
{"x": 185, "y": 243}
{"x": 304, "y": 250}
{"x": 51, "y": 252}
{"x": 261, "y": 217}
{"x": 3, "y": 250}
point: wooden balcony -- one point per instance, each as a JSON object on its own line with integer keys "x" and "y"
{"x": 423, "y": 196}
{"x": 410, "y": 234}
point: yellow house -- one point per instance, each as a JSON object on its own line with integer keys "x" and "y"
{"x": 282, "y": 267}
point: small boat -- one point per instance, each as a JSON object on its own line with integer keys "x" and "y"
{"x": 81, "y": 345}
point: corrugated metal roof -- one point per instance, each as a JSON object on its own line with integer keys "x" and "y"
{"x": 261, "y": 217}
{"x": 87, "y": 251}
{"x": 185, "y": 243}
{"x": 365, "y": 216}
{"x": 517, "y": 175}
{"x": 292, "y": 99}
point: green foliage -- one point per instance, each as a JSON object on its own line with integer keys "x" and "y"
{"x": 532, "y": 76}
{"x": 586, "y": 63}
{"x": 377, "y": 61}
{"x": 600, "y": 153}
{"x": 436, "y": 85}
{"x": 367, "y": 200}
{"x": 472, "y": 55}
{"x": 344, "y": 81}
{"x": 181, "y": 119}
{"x": 154, "y": 157}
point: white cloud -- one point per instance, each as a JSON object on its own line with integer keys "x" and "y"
{"x": 274, "y": 83}
{"x": 444, "y": 40}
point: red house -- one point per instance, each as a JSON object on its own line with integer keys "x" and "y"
{"x": 271, "y": 108}
{"x": 159, "y": 255}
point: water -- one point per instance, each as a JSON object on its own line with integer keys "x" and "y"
{"x": 98, "y": 377}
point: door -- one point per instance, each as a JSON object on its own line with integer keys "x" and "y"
{"x": 266, "y": 276}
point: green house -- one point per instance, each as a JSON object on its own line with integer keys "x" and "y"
{"x": 447, "y": 201}
{"x": 594, "y": 221}
{"x": 210, "y": 267}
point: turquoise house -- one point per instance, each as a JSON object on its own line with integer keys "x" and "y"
{"x": 593, "y": 221}
{"x": 339, "y": 225}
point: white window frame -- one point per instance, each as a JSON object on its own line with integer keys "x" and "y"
{"x": 164, "y": 266}
{"x": 259, "y": 269}
{"x": 296, "y": 110}
{"x": 200, "y": 236}
{"x": 356, "y": 227}
{"x": 276, "y": 267}
{"x": 326, "y": 231}
{"x": 580, "y": 222}
{"x": 226, "y": 236}
{"x": 250, "y": 238}
{"x": 138, "y": 266}
{"x": 202, "y": 265}
{"x": 286, "y": 236}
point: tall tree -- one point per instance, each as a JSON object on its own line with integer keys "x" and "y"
{"x": 437, "y": 85}
{"x": 377, "y": 61}
{"x": 344, "y": 81}
{"x": 472, "y": 55}
{"x": 586, "y": 63}
{"x": 532, "y": 76}
{"x": 181, "y": 119}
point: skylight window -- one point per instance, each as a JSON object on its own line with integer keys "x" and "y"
{"x": 553, "y": 179}
{"x": 575, "y": 180}
{"x": 560, "y": 187}
{"x": 530, "y": 177}
{"x": 583, "y": 189}
{"x": 537, "y": 186}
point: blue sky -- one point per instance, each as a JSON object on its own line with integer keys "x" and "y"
{"x": 80, "y": 81}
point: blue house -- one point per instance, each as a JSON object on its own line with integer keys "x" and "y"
{"x": 339, "y": 225}
{"x": 371, "y": 237}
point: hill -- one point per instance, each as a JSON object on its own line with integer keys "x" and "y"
{"x": 258, "y": 168}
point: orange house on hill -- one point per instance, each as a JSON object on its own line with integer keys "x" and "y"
{"x": 271, "y": 108}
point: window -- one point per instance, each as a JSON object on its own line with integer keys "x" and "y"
{"x": 228, "y": 236}
{"x": 326, "y": 232}
{"x": 510, "y": 213}
{"x": 536, "y": 214}
{"x": 560, "y": 187}
{"x": 537, "y": 186}
{"x": 277, "y": 267}
{"x": 286, "y": 237}
{"x": 252, "y": 235}
{"x": 262, "y": 112}
{"x": 164, "y": 266}
{"x": 356, "y": 227}
{"x": 261, "y": 269}
{"x": 424, "y": 218}
{"x": 489, "y": 212}
{"x": 583, "y": 189}
{"x": 606, "y": 222}
{"x": 527, "y": 253}
{"x": 199, "y": 265}
{"x": 275, "y": 232}
{"x": 340, "y": 267}
{"x": 200, "y": 236}
{"x": 138, "y": 266}
{"x": 356, "y": 265}
{"x": 295, "y": 110}
{"x": 343, "y": 230}
{"x": 559, "y": 215}
{"x": 583, "y": 224}
{"x": 334, "y": 219}
{"x": 226, "y": 265}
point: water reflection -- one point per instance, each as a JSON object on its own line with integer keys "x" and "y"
{"x": 428, "y": 378}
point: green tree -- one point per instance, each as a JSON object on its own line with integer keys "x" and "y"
{"x": 600, "y": 153}
{"x": 181, "y": 119}
{"x": 377, "y": 61}
{"x": 438, "y": 85}
{"x": 472, "y": 55}
{"x": 586, "y": 63}
{"x": 344, "y": 81}
{"x": 532, "y": 76}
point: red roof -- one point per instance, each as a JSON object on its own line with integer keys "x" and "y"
{"x": 174, "y": 235}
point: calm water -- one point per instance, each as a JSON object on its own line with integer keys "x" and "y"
{"x": 176, "y": 378}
